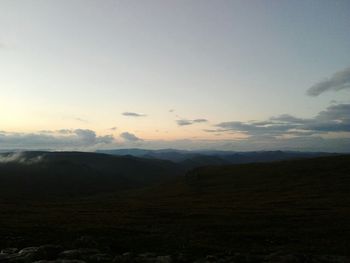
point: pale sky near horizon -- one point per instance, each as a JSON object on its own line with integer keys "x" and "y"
{"x": 182, "y": 74}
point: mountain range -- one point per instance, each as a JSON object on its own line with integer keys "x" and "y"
{"x": 192, "y": 159}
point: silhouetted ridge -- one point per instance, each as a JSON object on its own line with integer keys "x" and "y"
{"x": 74, "y": 173}
{"x": 192, "y": 159}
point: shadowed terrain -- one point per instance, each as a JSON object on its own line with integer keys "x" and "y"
{"x": 298, "y": 205}
{"x": 48, "y": 174}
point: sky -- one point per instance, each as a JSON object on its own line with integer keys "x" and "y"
{"x": 187, "y": 74}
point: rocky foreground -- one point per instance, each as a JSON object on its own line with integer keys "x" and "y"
{"x": 58, "y": 254}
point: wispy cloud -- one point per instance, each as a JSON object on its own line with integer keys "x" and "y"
{"x": 130, "y": 137}
{"x": 81, "y": 120}
{"x": 20, "y": 157}
{"x": 216, "y": 130}
{"x": 75, "y": 118}
{"x": 185, "y": 122}
{"x": 339, "y": 81}
{"x": 199, "y": 120}
{"x": 133, "y": 114}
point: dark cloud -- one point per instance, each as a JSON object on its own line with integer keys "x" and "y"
{"x": 252, "y": 128}
{"x": 130, "y": 137}
{"x": 65, "y": 131}
{"x": 61, "y": 139}
{"x": 113, "y": 128}
{"x": 46, "y": 131}
{"x": 336, "y": 118}
{"x": 336, "y": 112}
{"x": 185, "y": 122}
{"x": 133, "y": 114}
{"x": 215, "y": 130}
{"x": 60, "y": 131}
{"x": 287, "y": 119}
{"x": 339, "y": 81}
{"x": 199, "y": 120}
{"x": 87, "y": 136}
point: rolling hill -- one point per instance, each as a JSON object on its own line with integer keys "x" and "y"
{"x": 38, "y": 174}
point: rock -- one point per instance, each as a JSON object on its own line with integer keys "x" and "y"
{"x": 254, "y": 258}
{"x": 146, "y": 258}
{"x": 286, "y": 258}
{"x": 72, "y": 254}
{"x": 202, "y": 260}
{"x": 85, "y": 242}
{"x": 100, "y": 258}
{"x": 60, "y": 261}
{"x": 164, "y": 259}
{"x": 28, "y": 250}
{"x": 210, "y": 258}
{"x": 81, "y": 253}
{"x": 147, "y": 255}
{"x": 182, "y": 258}
{"x": 18, "y": 258}
{"x": 45, "y": 252}
{"x": 49, "y": 251}
{"x": 124, "y": 258}
{"x": 10, "y": 250}
{"x": 333, "y": 259}
{"x": 28, "y": 254}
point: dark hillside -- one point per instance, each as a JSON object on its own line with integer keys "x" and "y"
{"x": 299, "y": 206}
{"x": 38, "y": 174}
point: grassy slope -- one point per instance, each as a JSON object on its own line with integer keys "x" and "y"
{"x": 301, "y": 205}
